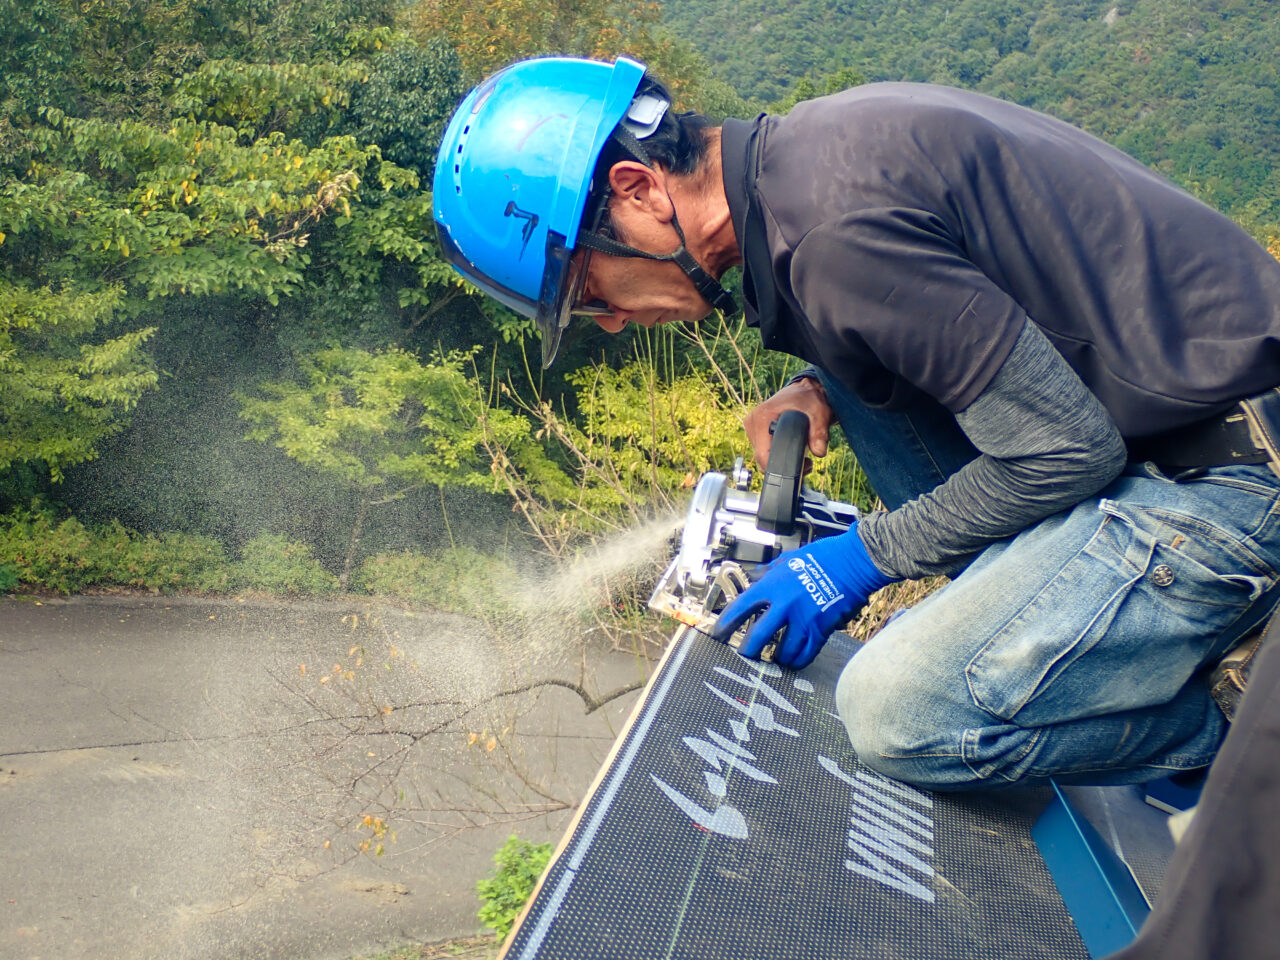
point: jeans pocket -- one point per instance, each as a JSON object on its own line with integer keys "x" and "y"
{"x": 1121, "y": 625}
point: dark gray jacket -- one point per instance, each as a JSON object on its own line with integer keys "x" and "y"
{"x": 906, "y": 237}
{"x": 901, "y": 234}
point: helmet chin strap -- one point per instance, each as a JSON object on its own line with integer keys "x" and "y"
{"x": 708, "y": 287}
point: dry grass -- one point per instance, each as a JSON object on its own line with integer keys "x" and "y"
{"x": 885, "y": 603}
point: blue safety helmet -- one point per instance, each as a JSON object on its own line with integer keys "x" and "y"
{"x": 514, "y": 174}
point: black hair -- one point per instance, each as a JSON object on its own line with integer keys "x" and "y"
{"x": 679, "y": 144}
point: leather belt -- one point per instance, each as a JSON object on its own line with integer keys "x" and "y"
{"x": 1225, "y": 439}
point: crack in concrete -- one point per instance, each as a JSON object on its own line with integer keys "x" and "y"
{"x": 108, "y": 704}
{"x": 129, "y": 743}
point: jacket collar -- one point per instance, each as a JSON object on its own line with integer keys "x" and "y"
{"x": 740, "y": 147}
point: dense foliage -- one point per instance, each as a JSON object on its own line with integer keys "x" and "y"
{"x": 222, "y": 312}
{"x": 223, "y": 316}
{"x": 1188, "y": 86}
{"x": 39, "y": 549}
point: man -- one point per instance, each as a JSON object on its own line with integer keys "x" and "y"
{"x": 1036, "y": 346}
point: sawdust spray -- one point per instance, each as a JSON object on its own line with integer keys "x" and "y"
{"x": 542, "y": 623}
{"x": 555, "y": 606}
{"x": 584, "y": 582}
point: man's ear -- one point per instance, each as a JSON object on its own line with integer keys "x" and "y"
{"x": 641, "y": 188}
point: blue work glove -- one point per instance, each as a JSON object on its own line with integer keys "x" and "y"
{"x": 807, "y": 593}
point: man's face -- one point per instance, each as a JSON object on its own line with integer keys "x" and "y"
{"x": 633, "y": 290}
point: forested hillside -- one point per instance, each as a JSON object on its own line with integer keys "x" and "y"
{"x": 1188, "y": 86}
{"x": 223, "y": 313}
{"x": 225, "y": 328}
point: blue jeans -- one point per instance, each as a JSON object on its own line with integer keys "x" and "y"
{"x": 1075, "y": 650}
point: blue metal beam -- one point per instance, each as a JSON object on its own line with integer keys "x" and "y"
{"x": 1100, "y": 893}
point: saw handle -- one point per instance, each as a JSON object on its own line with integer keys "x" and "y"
{"x": 784, "y": 475}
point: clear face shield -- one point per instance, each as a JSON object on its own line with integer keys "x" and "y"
{"x": 573, "y": 306}
{"x": 570, "y": 273}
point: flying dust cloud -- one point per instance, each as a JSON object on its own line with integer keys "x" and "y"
{"x": 549, "y": 621}
{"x": 574, "y": 588}
{"x": 441, "y": 723}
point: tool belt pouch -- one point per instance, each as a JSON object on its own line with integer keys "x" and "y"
{"x": 1262, "y": 413}
{"x": 1229, "y": 679}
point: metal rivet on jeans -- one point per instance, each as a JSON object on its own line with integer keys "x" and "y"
{"x": 1162, "y": 575}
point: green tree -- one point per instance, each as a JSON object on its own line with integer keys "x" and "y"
{"x": 488, "y": 36}
{"x": 194, "y": 194}
{"x": 383, "y": 424}
{"x": 62, "y": 389}
{"x": 121, "y": 58}
{"x": 1187, "y": 86}
{"x": 110, "y": 215}
{"x": 806, "y": 89}
{"x": 406, "y": 101}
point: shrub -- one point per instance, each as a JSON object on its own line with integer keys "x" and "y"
{"x": 162, "y": 563}
{"x": 46, "y": 552}
{"x": 459, "y": 579}
{"x": 638, "y": 435}
{"x": 64, "y": 555}
{"x": 504, "y": 893}
{"x": 274, "y": 563}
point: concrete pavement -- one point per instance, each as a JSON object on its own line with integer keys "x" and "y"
{"x": 185, "y": 778}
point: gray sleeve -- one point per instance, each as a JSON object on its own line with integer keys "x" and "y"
{"x": 1046, "y": 443}
{"x": 808, "y": 373}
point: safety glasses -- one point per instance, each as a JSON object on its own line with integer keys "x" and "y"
{"x": 577, "y": 307}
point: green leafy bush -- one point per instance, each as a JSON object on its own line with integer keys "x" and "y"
{"x": 163, "y": 562}
{"x": 504, "y": 893}
{"x": 459, "y": 579}
{"x": 639, "y": 437}
{"x": 381, "y": 424}
{"x": 41, "y": 550}
{"x": 279, "y": 565}
{"x": 46, "y": 552}
{"x": 8, "y": 577}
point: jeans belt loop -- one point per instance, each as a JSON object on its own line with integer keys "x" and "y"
{"x": 1262, "y": 413}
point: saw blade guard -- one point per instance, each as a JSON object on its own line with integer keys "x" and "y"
{"x": 731, "y": 534}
